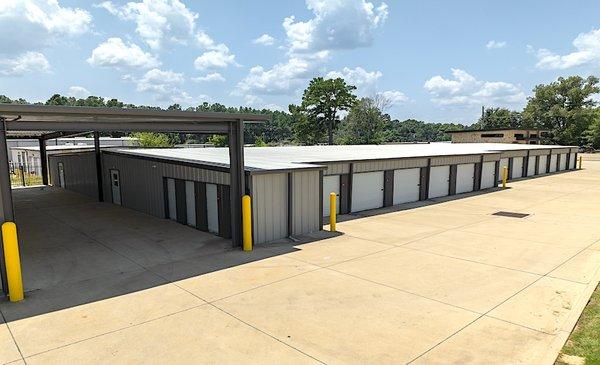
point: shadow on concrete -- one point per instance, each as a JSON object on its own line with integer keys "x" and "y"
{"x": 75, "y": 250}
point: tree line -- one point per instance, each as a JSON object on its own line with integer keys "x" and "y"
{"x": 330, "y": 112}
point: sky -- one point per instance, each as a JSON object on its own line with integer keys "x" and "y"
{"x": 437, "y": 61}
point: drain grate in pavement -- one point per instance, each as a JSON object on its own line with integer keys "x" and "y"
{"x": 511, "y": 214}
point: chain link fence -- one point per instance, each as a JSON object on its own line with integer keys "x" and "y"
{"x": 25, "y": 175}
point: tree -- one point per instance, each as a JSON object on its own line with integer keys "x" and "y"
{"x": 149, "y": 139}
{"x": 592, "y": 133}
{"x": 306, "y": 132}
{"x": 366, "y": 122}
{"x": 219, "y": 140}
{"x": 323, "y": 100}
{"x": 564, "y": 107}
{"x": 494, "y": 118}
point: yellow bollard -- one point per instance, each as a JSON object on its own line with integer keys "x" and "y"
{"x": 13, "y": 261}
{"x": 332, "y": 211}
{"x": 580, "y": 162}
{"x": 246, "y": 223}
{"x": 504, "y": 176}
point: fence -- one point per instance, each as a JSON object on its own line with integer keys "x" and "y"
{"x": 25, "y": 175}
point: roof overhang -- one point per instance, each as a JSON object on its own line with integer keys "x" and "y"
{"x": 41, "y": 120}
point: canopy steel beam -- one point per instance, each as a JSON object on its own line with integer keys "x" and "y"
{"x": 119, "y": 126}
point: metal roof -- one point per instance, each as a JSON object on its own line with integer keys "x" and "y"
{"x": 311, "y": 157}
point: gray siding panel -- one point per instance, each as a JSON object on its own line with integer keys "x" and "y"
{"x": 382, "y": 165}
{"x": 80, "y": 172}
{"x": 142, "y": 180}
{"x": 539, "y": 152}
{"x": 515, "y": 153}
{"x": 491, "y": 157}
{"x": 269, "y": 207}
{"x": 337, "y": 169}
{"x": 455, "y": 160}
{"x": 305, "y": 202}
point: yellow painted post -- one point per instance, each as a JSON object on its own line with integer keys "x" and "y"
{"x": 12, "y": 261}
{"x": 332, "y": 211}
{"x": 504, "y": 176}
{"x": 580, "y": 162}
{"x": 246, "y": 223}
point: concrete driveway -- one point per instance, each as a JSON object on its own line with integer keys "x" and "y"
{"x": 443, "y": 283}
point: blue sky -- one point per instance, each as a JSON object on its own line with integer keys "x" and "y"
{"x": 437, "y": 61}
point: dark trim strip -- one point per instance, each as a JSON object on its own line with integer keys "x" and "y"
{"x": 388, "y": 188}
{"x": 321, "y": 200}
{"x": 290, "y": 204}
{"x": 510, "y": 168}
{"x": 452, "y": 180}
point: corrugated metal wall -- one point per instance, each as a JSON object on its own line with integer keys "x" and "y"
{"x": 269, "y": 207}
{"x": 80, "y": 172}
{"x": 491, "y": 157}
{"x": 382, "y": 165}
{"x": 305, "y": 202}
{"x": 142, "y": 180}
{"x": 515, "y": 153}
{"x": 454, "y": 160}
{"x": 337, "y": 169}
{"x": 539, "y": 152}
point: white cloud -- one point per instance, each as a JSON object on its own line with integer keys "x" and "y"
{"x": 28, "y": 62}
{"x": 115, "y": 53}
{"x": 78, "y": 92}
{"x": 395, "y": 97}
{"x": 158, "y": 22}
{"x": 358, "y": 76}
{"x": 265, "y": 40}
{"x": 32, "y": 24}
{"x": 336, "y": 25}
{"x": 165, "y": 86}
{"x": 464, "y": 89}
{"x": 587, "y": 52}
{"x": 495, "y": 44}
{"x": 214, "y": 76}
{"x": 217, "y": 58}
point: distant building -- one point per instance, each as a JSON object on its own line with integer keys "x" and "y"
{"x": 521, "y": 136}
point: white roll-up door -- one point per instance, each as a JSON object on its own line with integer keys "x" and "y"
{"x": 531, "y": 166}
{"x": 172, "y": 201}
{"x": 212, "y": 208}
{"x": 439, "y": 181}
{"x": 190, "y": 203}
{"x": 553, "y": 163}
{"x": 488, "y": 174}
{"x": 367, "y": 191}
{"x": 517, "y": 167}
{"x": 331, "y": 184}
{"x": 563, "y": 161}
{"x": 465, "y": 175}
{"x": 503, "y": 162}
{"x": 406, "y": 185}
{"x": 572, "y": 162}
{"x": 543, "y": 163}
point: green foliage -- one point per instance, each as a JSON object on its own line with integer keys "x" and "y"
{"x": 365, "y": 123}
{"x": 259, "y": 142}
{"x": 564, "y": 107}
{"x": 585, "y": 339}
{"x": 149, "y": 139}
{"x": 219, "y": 140}
{"x": 592, "y": 133}
{"x": 494, "y": 118}
{"x": 306, "y": 131}
{"x": 322, "y": 100}
{"x": 411, "y": 130}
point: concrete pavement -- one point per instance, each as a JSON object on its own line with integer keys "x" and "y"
{"x": 441, "y": 283}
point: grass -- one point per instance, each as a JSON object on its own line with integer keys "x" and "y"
{"x": 585, "y": 340}
{"x": 30, "y": 180}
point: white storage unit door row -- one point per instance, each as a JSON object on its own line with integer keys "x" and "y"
{"x": 542, "y": 164}
{"x": 331, "y": 184}
{"x": 563, "y": 162}
{"x": 517, "y": 168}
{"x": 367, "y": 191}
{"x": 553, "y": 159}
{"x": 406, "y": 185}
{"x": 530, "y": 165}
{"x": 488, "y": 175}
{"x": 439, "y": 181}
{"x": 465, "y": 178}
{"x": 572, "y": 161}
{"x": 503, "y": 163}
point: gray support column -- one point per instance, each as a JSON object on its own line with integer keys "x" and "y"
{"x": 236, "y": 165}
{"x": 98, "y": 166}
{"x": 44, "y": 161}
{"x": 6, "y": 203}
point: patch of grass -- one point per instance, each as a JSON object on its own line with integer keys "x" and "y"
{"x": 585, "y": 339}
{"x": 30, "y": 180}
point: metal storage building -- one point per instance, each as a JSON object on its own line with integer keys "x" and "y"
{"x": 290, "y": 185}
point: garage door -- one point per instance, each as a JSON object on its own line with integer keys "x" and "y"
{"x": 573, "y": 161}
{"x": 563, "y": 161}
{"x": 553, "y": 163}
{"x": 503, "y": 162}
{"x": 406, "y": 185}
{"x": 543, "y": 164}
{"x": 488, "y": 174}
{"x": 531, "y": 166}
{"x": 439, "y": 181}
{"x": 517, "y": 167}
{"x": 465, "y": 174}
{"x": 331, "y": 184}
{"x": 367, "y": 191}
